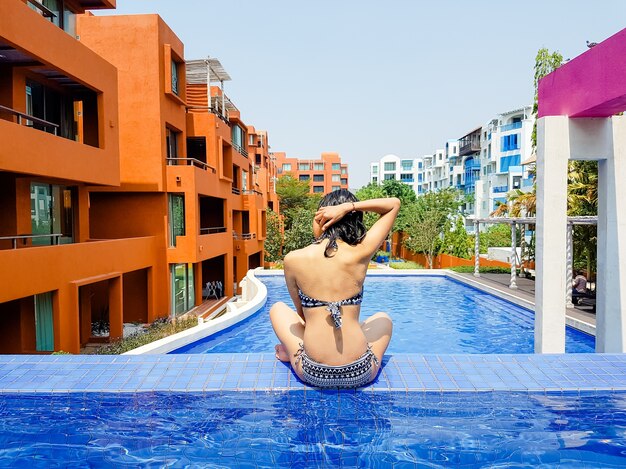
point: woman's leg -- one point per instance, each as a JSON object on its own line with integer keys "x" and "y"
{"x": 289, "y": 328}
{"x": 377, "y": 330}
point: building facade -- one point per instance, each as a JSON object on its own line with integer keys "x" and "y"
{"x": 150, "y": 188}
{"x": 391, "y": 167}
{"x": 323, "y": 175}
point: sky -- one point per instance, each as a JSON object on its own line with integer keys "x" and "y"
{"x": 367, "y": 78}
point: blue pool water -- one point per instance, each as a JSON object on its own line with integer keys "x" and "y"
{"x": 430, "y": 315}
{"x": 313, "y": 429}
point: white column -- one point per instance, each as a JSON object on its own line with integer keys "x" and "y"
{"x": 513, "y": 284}
{"x": 552, "y": 154}
{"x": 476, "y": 249}
{"x": 611, "y": 280}
{"x": 570, "y": 266}
{"x": 224, "y": 113}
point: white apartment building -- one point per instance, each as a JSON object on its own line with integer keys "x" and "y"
{"x": 505, "y": 146}
{"x": 408, "y": 171}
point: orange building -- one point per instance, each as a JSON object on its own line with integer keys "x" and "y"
{"x": 324, "y": 175}
{"x": 120, "y": 201}
{"x": 59, "y": 128}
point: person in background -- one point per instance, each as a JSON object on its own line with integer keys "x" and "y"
{"x": 579, "y": 284}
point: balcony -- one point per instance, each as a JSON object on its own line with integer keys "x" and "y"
{"x": 513, "y": 126}
{"x": 240, "y": 149}
{"x": 244, "y": 236}
{"x": 465, "y": 148}
{"x": 190, "y": 162}
{"x": 500, "y": 189}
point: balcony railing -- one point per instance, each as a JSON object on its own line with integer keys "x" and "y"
{"x": 213, "y": 230}
{"x": 251, "y": 192}
{"x": 469, "y": 147}
{"x": 236, "y": 190}
{"x": 500, "y": 189}
{"x": 240, "y": 149}
{"x": 44, "y": 11}
{"x": 54, "y": 238}
{"x": 30, "y": 120}
{"x": 244, "y": 236}
{"x": 513, "y": 126}
{"x": 190, "y": 162}
{"x": 475, "y": 165}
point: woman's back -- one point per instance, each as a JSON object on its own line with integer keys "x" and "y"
{"x": 330, "y": 279}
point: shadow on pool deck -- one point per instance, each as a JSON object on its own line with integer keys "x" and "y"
{"x": 526, "y": 291}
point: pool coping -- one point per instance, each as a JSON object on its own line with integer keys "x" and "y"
{"x": 261, "y": 372}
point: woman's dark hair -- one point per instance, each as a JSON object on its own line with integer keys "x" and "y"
{"x": 350, "y": 229}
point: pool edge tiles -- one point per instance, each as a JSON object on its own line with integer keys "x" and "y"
{"x": 404, "y": 372}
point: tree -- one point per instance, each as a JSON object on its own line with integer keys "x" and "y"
{"x": 300, "y": 233}
{"x": 293, "y": 193}
{"x": 274, "y": 239}
{"x": 427, "y": 220}
{"x": 402, "y": 191}
{"x": 423, "y": 232}
{"x": 582, "y": 200}
{"x": 456, "y": 241}
{"x": 545, "y": 62}
{"x": 495, "y": 236}
{"x": 371, "y": 191}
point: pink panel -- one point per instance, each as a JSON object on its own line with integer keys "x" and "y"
{"x": 591, "y": 85}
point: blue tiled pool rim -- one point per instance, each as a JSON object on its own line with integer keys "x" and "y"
{"x": 205, "y": 373}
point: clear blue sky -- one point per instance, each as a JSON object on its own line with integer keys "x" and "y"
{"x": 365, "y": 78}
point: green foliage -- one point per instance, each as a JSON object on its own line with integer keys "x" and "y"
{"x": 405, "y": 265}
{"x": 545, "y": 62}
{"x": 274, "y": 239}
{"x": 582, "y": 200}
{"x": 300, "y": 233}
{"x": 402, "y": 191}
{"x": 60, "y": 352}
{"x": 456, "y": 241}
{"x": 157, "y": 330}
{"x": 371, "y": 191}
{"x": 292, "y": 193}
{"x": 468, "y": 269}
{"x": 495, "y": 236}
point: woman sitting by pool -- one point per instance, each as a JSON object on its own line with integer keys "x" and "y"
{"x": 323, "y": 339}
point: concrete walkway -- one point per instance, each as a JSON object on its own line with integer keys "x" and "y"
{"x": 526, "y": 291}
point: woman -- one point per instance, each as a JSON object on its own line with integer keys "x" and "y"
{"x": 323, "y": 339}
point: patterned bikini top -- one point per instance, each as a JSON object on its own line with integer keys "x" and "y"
{"x": 333, "y": 306}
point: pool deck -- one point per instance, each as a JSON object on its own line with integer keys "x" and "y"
{"x": 526, "y": 291}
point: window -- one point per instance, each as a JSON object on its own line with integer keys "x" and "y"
{"x": 510, "y": 142}
{"x": 196, "y": 148}
{"x": 407, "y": 165}
{"x": 63, "y": 17}
{"x": 174, "y": 67}
{"x": 388, "y": 177}
{"x": 304, "y": 167}
{"x": 171, "y": 143}
{"x": 419, "y": 165}
{"x": 374, "y": 170}
{"x": 237, "y": 137}
{"x": 344, "y": 181}
{"x": 176, "y": 217}
{"x": 50, "y": 105}
{"x": 244, "y": 180}
{"x": 420, "y": 177}
{"x": 318, "y": 189}
{"x": 345, "y": 170}
{"x": 304, "y": 177}
{"x": 336, "y": 166}
{"x": 318, "y": 178}
{"x": 375, "y": 180}
{"x": 406, "y": 177}
{"x": 390, "y": 166}
{"x": 251, "y": 140}
{"x": 286, "y": 167}
{"x": 318, "y": 166}
{"x": 336, "y": 177}
{"x": 336, "y": 188}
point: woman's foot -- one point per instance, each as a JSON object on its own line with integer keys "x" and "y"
{"x": 281, "y": 353}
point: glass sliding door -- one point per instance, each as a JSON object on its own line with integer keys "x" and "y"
{"x": 44, "y": 324}
{"x": 183, "y": 291}
{"x": 52, "y": 212}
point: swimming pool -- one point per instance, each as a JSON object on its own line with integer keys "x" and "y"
{"x": 431, "y": 314}
{"x": 320, "y": 429}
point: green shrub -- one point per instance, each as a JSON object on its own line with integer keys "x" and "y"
{"x": 157, "y": 330}
{"x": 468, "y": 269}
{"x": 60, "y": 352}
{"x": 405, "y": 265}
